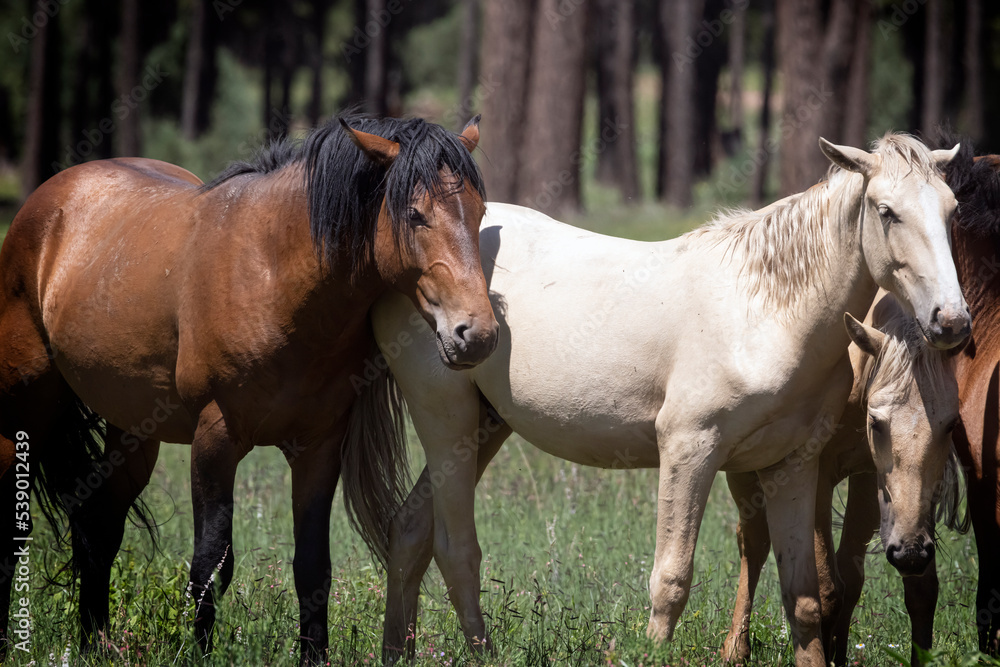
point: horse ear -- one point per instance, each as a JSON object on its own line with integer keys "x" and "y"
{"x": 378, "y": 149}
{"x": 943, "y": 158}
{"x": 849, "y": 158}
{"x": 869, "y": 339}
{"x": 470, "y": 133}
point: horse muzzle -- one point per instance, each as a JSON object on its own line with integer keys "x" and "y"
{"x": 948, "y": 327}
{"x": 910, "y": 558}
{"x": 468, "y": 344}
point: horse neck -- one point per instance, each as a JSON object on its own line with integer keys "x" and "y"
{"x": 978, "y": 266}
{"x": 330, "y": 284}
{"x": 840, "y": 281}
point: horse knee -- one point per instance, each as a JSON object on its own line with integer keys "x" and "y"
{"x": 806, "y": 612}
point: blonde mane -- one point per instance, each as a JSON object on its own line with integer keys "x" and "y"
{"x": 785, "y": 248}
{"x": 903, "y": 356}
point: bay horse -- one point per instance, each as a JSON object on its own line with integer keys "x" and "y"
{"x": 723, "y": 349}
{"x": 976, "y": 247}
{"x": 228, "y": 316}
{"x": 894, "y": 442}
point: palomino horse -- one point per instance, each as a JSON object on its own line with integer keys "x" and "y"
{"x": 905, "y": 399}
{"x": 976, "y": 241}
{"x": 723, "y": 349}
{"x": 228, "y": 316}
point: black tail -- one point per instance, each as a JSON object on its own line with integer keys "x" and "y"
{"x": 949, "y": 501}
{"x": 374, "y": 468}
{"x": 69, "y": 472}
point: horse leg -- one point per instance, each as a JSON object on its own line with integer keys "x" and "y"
{"x": 861, "y": 520}
{"x": 984, "y": 508}
{"x": 790, "y": 517}
{"x": 920, "y": 594}
{"x": 411, "y": 546}
{"x": 214, "y": 458}
{"x": 447, "y": 424}
{"x": 687, "y": 470}
{"x": 122, "y": 474}
{"x": 755, "y": 543}
{"x": 315, "y": 472}
{"x": 831, "y": 587}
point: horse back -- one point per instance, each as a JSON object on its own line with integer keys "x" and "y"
{"x": 86, "y": 264}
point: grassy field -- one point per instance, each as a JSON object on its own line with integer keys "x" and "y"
{"x": 567, "y": 552}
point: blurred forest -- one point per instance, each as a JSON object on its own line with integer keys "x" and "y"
{"x": 642, "y": 98}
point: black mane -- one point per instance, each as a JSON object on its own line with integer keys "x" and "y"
{"x": 345, "y": 188}
{"x": 976, "y": 184}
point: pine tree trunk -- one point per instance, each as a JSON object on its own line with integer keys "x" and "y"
{"x": 129, "y": 139}
{"x": 41, "y": 151}
{"x": 799, "y": 48}
{"x": 193, "y": 71}
{"x": 932, "y": 108}
{"x": 319, "y": 8}
{"x": 505, "y": 60}
{"x": 737, "y": 54}
{"x": 549, "y": 175}
{"x": 377, "y": 63}
{"x": 678, "y": 19}
{"x": 614, "y": 28}
{"x": 838, "y": 50}
{"x": 856, "y": 112}
{"x": 468, "y": 60}
{"x": 757, "y": 192}
{"x": 708, "y": 69}
{"x": 972, "y": 111}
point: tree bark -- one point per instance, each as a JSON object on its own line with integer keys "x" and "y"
{"x": 764, "y": 143}
{"x": 799, "y": 46}
{"x": 856, "y": 112}
{"x": 129, "y": 133}
{"x": 319, "y": 12}
{"x": 615, "y": 40}
{"x": 549, "y": 177}
{"x": 505, "y": 59}
{"x": 193, "y": 73}
{"x": 43, "y": 113}
{"x": 838, "y": 49}
{"x": 972, "y": 111}
{"x": 468, "y": 60}
{"x": 356, "y": 61}
{"x": 708, "y": 69}
{"x": 678, "y": 19}
{"x": 377, "y": 63}
{"x": 932, "y": 108}
{"x": 736, "y": 56}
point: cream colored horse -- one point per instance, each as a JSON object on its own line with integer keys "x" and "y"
{"x": 723, "y": 349}
{"x": 905, "y": 400}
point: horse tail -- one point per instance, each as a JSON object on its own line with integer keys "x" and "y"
{"x": 949, "y": 501}
{"x": 68, "y": 461}
{"x": 374, "y": 465}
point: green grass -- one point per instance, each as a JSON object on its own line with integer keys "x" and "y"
{"x": 567, "y": 552}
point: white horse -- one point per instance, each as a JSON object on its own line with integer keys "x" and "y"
{"x": 723, "y": 349}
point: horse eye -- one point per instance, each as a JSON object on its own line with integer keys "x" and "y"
{"x": 950, "y": 426}
{"x": 887, "y": 213}
{"x": 875, "y": 424}
{"x": 415, "y": 217}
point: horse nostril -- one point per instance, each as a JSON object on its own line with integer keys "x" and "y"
{"x": 460, "y": 336}
{"x": 936, "y": 316}
{"x": 890, "y": 554}
{"x": 929, "y": 549}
